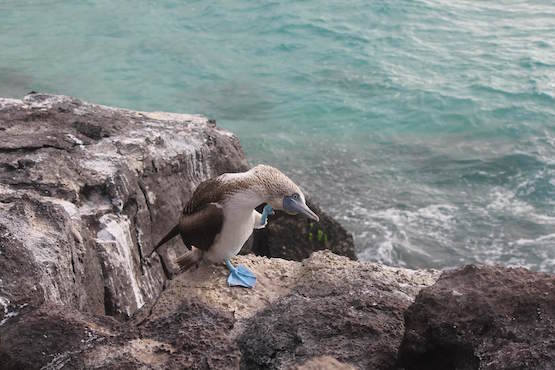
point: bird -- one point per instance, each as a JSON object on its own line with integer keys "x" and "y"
{"x": 220, "y": 216}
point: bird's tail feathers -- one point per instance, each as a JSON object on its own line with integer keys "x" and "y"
{"x": 189, "y": 259}
{"x": 173, "y": 232}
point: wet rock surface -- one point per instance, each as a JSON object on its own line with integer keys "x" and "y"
{"x": 482, "y": 318}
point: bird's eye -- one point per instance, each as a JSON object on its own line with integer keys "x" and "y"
{"x": 296, "y": 196}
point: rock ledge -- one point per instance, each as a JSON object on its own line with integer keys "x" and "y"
{"x": 350, "y": 312}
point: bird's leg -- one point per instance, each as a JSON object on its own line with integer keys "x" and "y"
{"x": 239, "y": 276}
{"x": 242, "y": 276}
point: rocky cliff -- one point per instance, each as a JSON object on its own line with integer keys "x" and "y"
{"x": 85, "y": 192}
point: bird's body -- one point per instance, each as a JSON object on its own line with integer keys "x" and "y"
{"x": 220, "y": 216}
{"x": 236, "y": 230}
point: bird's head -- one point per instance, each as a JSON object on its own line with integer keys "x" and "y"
{"x": 282, "y": 193}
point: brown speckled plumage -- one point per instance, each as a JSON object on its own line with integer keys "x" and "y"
{"x": 202, "y": 217}
{"x": 262, "y": 179}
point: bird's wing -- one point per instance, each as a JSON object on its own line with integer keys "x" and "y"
{"x": 200, "y": 228}
{"x": 209, "y": 191}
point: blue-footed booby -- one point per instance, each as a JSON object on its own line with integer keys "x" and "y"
{"x": 221, "y": 216}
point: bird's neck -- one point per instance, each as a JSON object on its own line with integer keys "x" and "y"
{"x": 246, "y": 200}
{"x": 249, "y": 190}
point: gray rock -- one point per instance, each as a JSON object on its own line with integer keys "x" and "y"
{"x": 85, "y": 191}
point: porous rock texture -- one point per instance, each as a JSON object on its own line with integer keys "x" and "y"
{"x": 482, "y": 318}
{"x": 350, "y": 311}
{"x": 326, "y": 312}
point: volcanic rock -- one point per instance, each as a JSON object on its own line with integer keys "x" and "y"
{"x": 295, "y": 238}
{"x": 325, "y": 312}
{"x": 482, "y": 318}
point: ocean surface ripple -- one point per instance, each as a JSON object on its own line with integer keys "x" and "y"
{"x": 426, "y": 127}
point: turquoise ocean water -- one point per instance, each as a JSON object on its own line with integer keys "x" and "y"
{"x": 426, "y": 127}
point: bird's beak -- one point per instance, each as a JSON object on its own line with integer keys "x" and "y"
{"x": 291, "y": 205}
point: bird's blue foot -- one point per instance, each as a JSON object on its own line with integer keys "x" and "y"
{"x": 267, "y": 211}
{"x": 240, "y": 276}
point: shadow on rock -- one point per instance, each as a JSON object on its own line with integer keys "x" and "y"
{"x": 194, "y": 336}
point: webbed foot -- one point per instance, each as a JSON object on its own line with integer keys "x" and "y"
{"x": 240, "y": 276}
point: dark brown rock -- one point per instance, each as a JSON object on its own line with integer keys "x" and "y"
{"x": 52, "y": 337}
{"x": 482, "y": 318}
{"x": 199, "y": 336}
{"x": 296, "y": 237}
